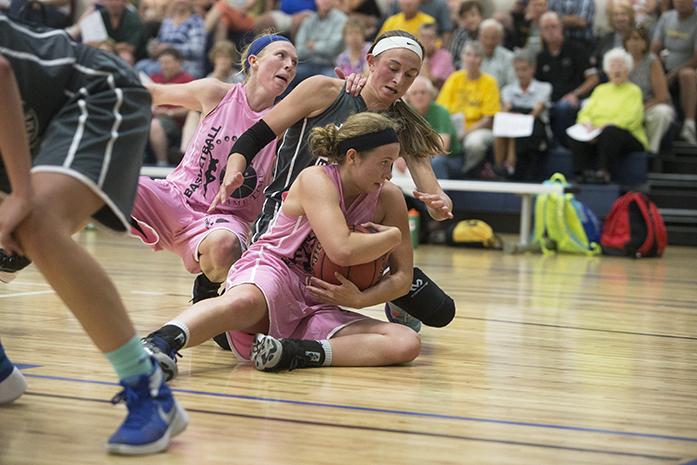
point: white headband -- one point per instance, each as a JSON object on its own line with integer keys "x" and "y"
{"x": 387, "y": 43}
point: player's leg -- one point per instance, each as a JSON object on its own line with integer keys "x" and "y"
{"x": 62, "y": 204}
{"x": 364, "y": 342}
{"x": 241, "y": 308}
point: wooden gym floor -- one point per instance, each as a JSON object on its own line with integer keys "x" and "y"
{"x": 550, "y": 360}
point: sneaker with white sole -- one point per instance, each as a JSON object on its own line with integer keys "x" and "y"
{"x": 163, "y": 354}
{"x": 395, "y": 314}
{"x": 12, "y": 385}
{"x": 271, "y": 354}
{"x": 154, "y": 416}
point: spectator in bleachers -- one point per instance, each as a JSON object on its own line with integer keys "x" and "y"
{"x": 438, "y": 9}
{"x": 319, "y": 41}
{"x": 233, "y": 18}
{"x": 675, "y": 42}
{"x": 152, "y": 13}
{"x": 621, "y": 19}
{"x": 353, "y": 60}
{"x": 184, "y": 31}
{"x": 420, "y": 96}
{"x": 519, "y": 158}
{"x": 468, "y": 21}
{"x": 566, "y": 65}
{"x": 645, "y": 11}
{"x": 617, "y": 109}
{"x": 649, "y": 76}
{"x": 438, "y": 62}
{"x": 167, "y": 121}
{"x": 577, "y": 17}
{"x": 498, "y": 61}
{"x": 409, "y": 19}
{"x": 366, "y": 11}
{"x": 473, "y": 97}
{"x": 123, "y": 27}
{"x": 287, "y": 18}
{"x": 526, "y": 26}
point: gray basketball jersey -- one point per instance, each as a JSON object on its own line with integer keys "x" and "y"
{"x": 294, "y": 153}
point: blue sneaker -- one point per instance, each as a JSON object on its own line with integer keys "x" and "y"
{"x": 12, "y": 385}
{"x": 154, "y": 416}
{"x": 397, "y": 315}
{"x": 163, "y": 354}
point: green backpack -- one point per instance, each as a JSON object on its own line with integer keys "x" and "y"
{"x": 563, "y": 224}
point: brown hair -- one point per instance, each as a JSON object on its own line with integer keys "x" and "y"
{"x": 324, "y": 141}
{"x": 416, "y": 136}
{"x": 223, "y": 47}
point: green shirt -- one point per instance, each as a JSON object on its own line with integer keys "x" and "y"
{"x": 130, "y": 31}
{"x": 439, "y": 119}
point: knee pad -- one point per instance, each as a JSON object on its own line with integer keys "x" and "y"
{"x": 427, "y": 302}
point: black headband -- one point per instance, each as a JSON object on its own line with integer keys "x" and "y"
{"x": 369, "y": 141}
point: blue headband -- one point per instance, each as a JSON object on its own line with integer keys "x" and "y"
{"x": 260, "y": 44}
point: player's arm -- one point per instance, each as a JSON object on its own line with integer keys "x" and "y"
{"x": 315, "y": 196}
{"x": 309, "y": 98}
{"x": 428, "y": 190}
{"x": 14, "y": 150}
{"x": 398, "y": 281}
{"x": 200, "y": 95}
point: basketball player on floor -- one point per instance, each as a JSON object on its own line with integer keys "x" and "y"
{"x": 269, "y": 290}
{"x": 72, "y": 135}
{"x": 171, "y": 214}
{"x": 394, "y": 61}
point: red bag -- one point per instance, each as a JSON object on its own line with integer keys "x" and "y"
{"x": 634, "y": 227}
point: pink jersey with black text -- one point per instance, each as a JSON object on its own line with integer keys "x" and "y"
{"x": 202, "y": 169}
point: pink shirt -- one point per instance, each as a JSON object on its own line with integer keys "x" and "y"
{"x": 200, "y": 172}
{"x": 440, "y": 64}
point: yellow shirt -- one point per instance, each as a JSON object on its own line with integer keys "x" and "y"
{"x": 474, "y": 98}
{"x": 412, "y": 25}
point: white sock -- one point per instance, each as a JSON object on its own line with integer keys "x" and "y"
{"x": 327, "y": 346}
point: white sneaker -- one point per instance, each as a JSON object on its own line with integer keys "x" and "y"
{"x": 12, "y": 387}
{"x": 688, "y": 134}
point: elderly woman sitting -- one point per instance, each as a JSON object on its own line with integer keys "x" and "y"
{"x": 617, "y": 109}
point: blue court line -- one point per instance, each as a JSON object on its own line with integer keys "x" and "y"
{"x": 438, "y": 416}
{"x": 505, "y": 442}
{"x": 578, "y": 328}
{"x": 26, "y": 366}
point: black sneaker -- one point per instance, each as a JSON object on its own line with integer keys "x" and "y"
{"x": 10, "y": 265}
{"x": 271, "y": 354}
{"x": 204, "y": 289}
{"x": 165, "y": 356}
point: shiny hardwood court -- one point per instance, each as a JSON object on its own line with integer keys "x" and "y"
{"x": 550, "y": 360}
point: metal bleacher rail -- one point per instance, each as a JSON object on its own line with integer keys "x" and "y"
{"x": 525, "y": 190}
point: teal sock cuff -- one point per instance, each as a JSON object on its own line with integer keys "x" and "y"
{"x": 130, "y": 360}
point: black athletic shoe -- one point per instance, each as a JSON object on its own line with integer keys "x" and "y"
{"x": 271, "y": 354}
{"x": 10, "y": 265}
{"x": 204, "y": 289}
{"x": 165, "y": 356}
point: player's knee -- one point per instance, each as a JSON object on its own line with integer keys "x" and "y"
{"x": 405, "y": 344}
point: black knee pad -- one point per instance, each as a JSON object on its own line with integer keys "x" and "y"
{"x": 427, "y": 302}
{"x": 221, "y": 341}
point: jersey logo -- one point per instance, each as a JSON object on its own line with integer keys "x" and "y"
{"x": 248, "y": 185}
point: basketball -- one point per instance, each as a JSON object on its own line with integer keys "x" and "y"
{"x": 363, "y": 275}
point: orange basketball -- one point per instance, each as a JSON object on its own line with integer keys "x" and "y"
{"x": 363, "y": 275}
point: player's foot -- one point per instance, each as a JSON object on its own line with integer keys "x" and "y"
{"x": 154, "y": 416}
{"x": 163, "y": 353}
{"x": 10, "y": 265}
{"x": 397, "y": 315}
{"x": 271, "y": 354}
{"x": 203, "y": 289}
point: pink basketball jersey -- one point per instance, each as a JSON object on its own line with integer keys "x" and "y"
{"x": 200, "y": 173}
{"x": 291, "y": 239}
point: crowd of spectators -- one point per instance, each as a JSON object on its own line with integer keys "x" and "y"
{"x": 546, "y": 58}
